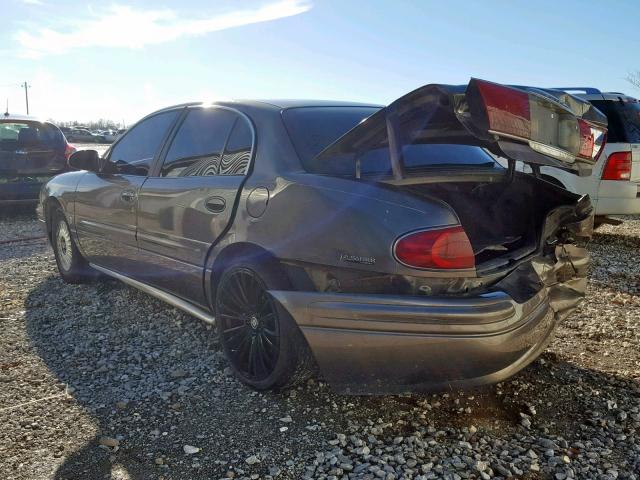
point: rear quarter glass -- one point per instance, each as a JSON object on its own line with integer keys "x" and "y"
{"x": 312, "y": 129}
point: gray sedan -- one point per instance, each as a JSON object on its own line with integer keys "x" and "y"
{"x": 385, "y": 246}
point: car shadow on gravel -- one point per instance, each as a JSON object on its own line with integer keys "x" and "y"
{"x": 154, "y": 380}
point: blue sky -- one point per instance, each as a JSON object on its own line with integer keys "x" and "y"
{"x": 124, "y": 59}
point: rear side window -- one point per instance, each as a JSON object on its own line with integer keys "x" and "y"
{"x": 198, "y": 146}
{"x": 624, "y": 120}
{"x": 210, "y": 141}
{"x": 134, "y": 153}
{"x": 29, "y": 135}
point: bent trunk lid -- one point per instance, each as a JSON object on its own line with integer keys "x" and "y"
{"x": 539, "y": 127}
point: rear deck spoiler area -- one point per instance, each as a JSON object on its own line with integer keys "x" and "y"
{"x": 539, "y": 127}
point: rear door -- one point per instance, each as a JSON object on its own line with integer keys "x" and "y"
{"x": 105, "y": 205}
{"x": 189, "y": 201}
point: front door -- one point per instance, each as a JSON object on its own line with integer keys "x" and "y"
{"x": 106, "y": 202}
{"x": 190, "y": 200}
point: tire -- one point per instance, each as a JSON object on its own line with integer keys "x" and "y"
{"x": 264, "y": 346}
{"x": 72, "y": 266}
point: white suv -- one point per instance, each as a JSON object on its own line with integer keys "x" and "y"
{"x": 614, "y": 185}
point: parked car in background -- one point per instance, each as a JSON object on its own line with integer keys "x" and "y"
{"x": 385, "y": 244}
{"x": 614, "y": 186}
{"x": 81, "y": 135}
{"x": 31, "y": 152}
{"x": 108, "y": 136}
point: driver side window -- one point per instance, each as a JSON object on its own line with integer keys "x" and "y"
{"x": 134, "y": 153}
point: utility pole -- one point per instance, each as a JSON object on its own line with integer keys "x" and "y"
{"x": 26, "y": 94}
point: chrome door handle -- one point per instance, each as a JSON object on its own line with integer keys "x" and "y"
{"x": 128, "y": 195}
{"x": 215, "y": 204}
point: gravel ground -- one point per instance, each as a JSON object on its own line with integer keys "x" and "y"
{"x": 101, "y": 381}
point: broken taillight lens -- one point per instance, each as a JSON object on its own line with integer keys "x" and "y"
{"x": 618, "y": 166}
{"x": 445, "y": 248}
{"x": 592, "y": 140}
{"x": 546, "y": 125}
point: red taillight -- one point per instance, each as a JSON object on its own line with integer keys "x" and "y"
{"x": 68, "y": 151}
{"x": 618, "y": 166}
{"x": 445, "y": 248}
{"x": 508, "y": 109}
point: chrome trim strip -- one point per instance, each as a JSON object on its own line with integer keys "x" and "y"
{"x": 160, "y": 295}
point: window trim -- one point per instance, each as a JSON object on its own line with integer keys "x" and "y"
{"x": 168, "y": 134}
{"x": 156, "y": 169}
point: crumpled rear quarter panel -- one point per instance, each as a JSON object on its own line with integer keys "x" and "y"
{"x": 384, "y": 344}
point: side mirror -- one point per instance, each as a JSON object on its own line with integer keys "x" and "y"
{"x": 85, "y": 160}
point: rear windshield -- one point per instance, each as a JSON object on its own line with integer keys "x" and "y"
{"x": 16, "y": 135}
{"x": 624, "y": 119}
{"x": 312, "y": 129}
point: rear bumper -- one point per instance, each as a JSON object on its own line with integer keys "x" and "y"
{"x": 618, "y": 198}
{"x": 381, "y": 344}
{"x": 374, "y": 344}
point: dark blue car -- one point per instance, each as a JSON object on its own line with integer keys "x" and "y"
{"x": 31, "y": 152}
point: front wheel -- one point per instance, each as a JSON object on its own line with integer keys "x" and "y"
{"x": 72, "y": 266}
{"x": 264, "y": 346}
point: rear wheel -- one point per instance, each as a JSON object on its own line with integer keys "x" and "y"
{"x": 72, "y": 266}
{"x": 264, "y": 346}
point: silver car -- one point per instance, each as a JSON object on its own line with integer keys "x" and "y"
{"x": 385, "y": 246}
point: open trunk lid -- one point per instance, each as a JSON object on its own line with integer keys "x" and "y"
{"x": 538, "y": 127}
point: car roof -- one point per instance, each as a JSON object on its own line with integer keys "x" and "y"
{"x": 275, "y": 104}
{"x": 21, "y": 118}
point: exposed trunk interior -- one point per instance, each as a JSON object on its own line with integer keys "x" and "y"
{"x": 503, "y": 219}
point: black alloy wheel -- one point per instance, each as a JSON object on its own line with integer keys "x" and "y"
{"x": 248, "y": 324}
{"x": 262, "y": 342}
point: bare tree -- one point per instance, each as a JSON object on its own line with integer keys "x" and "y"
{"x": 634, "y": 78}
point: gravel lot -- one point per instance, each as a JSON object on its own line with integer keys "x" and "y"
{"x": 102, "y": 381}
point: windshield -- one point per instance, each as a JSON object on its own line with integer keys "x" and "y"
{"x": 312, "y": 129}
{"x": 417, "y": 158}
{"x": 624, "y": 120}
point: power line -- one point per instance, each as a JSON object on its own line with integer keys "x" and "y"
{"x": 26, "y": 94}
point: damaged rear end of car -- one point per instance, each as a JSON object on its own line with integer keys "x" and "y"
{"x": 467, "y": 299}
